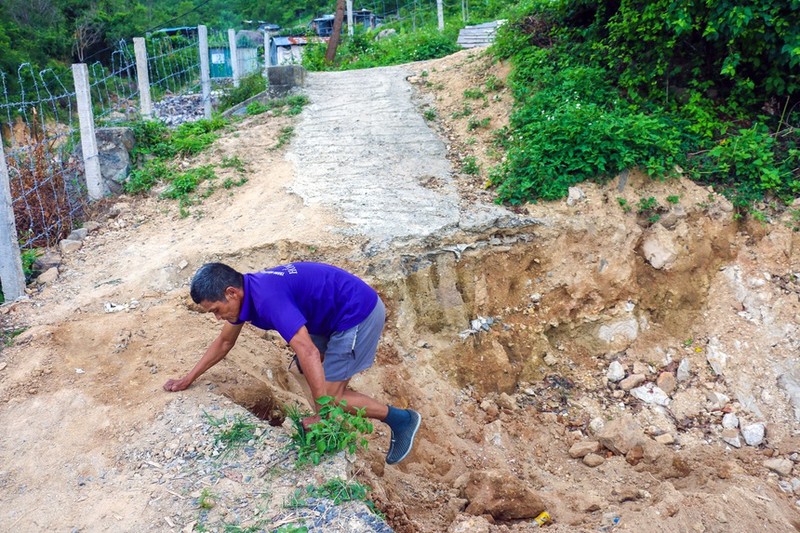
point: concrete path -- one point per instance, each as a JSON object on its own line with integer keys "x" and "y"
{"x": 362, "y": 148}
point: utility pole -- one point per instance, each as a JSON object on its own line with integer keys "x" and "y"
{"x": 333, "y": 43}
{"x": 350, "y": 28}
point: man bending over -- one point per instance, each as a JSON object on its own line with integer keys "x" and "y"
{"x": 330, "y": 318}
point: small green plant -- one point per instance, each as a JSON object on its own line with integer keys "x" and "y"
{"x": 183, "y": 184}
{"x": 465, "y": 111}
{"x": 249, "y": 86}
{"x": 493, "y": 83}
{"x": 233, "y": 434}
{"x": 337, "y": 490}
{"x": 623, "y": 203}
{"x": 233, "y": 162}
{"x": 141, "y": 180}
{"x": 291, "y": 528}
{"x": 256, "y": 108}
{"x": 229, "y": 183}
{"x": 29, "y": 257}
{"x": 284, "y": 137}
{"x": 688, "y": 342}
{"x": 429, "y": 114}
{"x": 296, "y": 103}
{"x": 9, "y": 336}
{"x": 337, "y": 430}
{"x": 470, "y": 166}
{"x": 647, "y": 204}
{"x": 473, "y": 123}
{"x": 673, "y": 199}
{"x": 473, "y": 94}
{"x": 206, "y": 500}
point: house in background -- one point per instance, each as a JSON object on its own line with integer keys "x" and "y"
{"x": 289, "y": 50}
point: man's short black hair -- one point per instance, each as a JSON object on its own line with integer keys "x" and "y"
{"x": 211, "y": 280}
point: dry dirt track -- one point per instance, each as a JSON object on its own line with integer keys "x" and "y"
{"x": 92, "y": 443}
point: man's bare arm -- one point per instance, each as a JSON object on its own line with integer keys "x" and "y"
{"x": 311, "y": 362}
{"x": 216, "y": 351}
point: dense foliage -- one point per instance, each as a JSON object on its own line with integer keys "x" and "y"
{"x": 707, "y": 87}
{"x": 47, "y": 31}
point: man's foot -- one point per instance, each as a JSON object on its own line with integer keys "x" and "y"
{"x": 403, "y": 438}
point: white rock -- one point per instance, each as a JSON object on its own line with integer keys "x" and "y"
{"x": 658, "y": 248}
{"x": 782, "y": 467}
{"x": 717, "y": 399}
{"x": 683, "y": 373}
{"x": 68, "y": 246}
{"x": 732, "y": 437}
{"x": 715, "y": 356}
{"x": 616, "y": 371}
{"x": 596, "y": 425}
{"x": 48, "y": 276}
{"x": 628, "y": 329}
{"x": 754, "y": 433}
{"x": 78, "y": 234}
{"x": 730, "y": 421}
{"x": 795, "y": 484}
{"x": 575, "y": 196}
{"x": 649, "y": 393}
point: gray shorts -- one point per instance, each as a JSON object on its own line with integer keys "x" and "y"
{"x": 346, "y": 353}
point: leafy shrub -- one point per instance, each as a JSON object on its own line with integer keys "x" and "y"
{"x": 470, "y": 166}
{"x": 142, "y": 179}
{"x": 187, "y": 182}
{"x": 337, "y": 430}
{"x": 249, "y": 86}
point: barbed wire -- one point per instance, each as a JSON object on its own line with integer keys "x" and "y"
{"x": 114, "y": 89}
{"x": 44, "y": 173}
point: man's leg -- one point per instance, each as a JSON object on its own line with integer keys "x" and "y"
{"x": 356, "y": 400}
{"x": 404, "y": 423}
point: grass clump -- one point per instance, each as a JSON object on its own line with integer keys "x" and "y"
{"x": 337, "y": 490}
{"x": 291, "y": 105}
{"x": 232, "y": 434}
{"x": 337, "y": 430}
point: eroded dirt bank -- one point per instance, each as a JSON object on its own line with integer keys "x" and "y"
{"x": 516, "y": 341}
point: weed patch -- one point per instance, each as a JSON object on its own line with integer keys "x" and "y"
{"x": 336, "y": 431}
{"x": 337, "y": 490}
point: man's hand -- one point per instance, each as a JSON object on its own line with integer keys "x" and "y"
{"x": 175, "y": 385}
{"x": 310, "y": 421}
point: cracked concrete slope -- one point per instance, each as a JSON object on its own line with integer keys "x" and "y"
{"x": 362, "y": 148}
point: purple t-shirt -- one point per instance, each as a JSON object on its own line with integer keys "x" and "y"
{"x": 322, "y": 297}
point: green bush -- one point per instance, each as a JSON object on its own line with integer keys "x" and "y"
{"x": 363, "y": 51}
{"x": 183, "y": 184}
{"x": 605, "y": 87}
{"x": 249, "y": 86}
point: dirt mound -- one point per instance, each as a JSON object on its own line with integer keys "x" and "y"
{"x": 584, "y": 324}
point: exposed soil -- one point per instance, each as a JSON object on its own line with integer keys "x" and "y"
{"x": 562, "y": 294}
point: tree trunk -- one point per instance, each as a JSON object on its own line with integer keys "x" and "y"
{"x": 333, "y": 43}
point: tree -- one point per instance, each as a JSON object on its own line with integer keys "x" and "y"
{"x": 88, "y": 31}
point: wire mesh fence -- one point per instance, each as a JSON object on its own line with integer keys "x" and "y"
{"x": 39, "y": 135}
{"x": 40, "y": 131}
{"x": 115, "y": 95}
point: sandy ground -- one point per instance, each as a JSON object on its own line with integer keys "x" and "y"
{"x": 569, "y": 288}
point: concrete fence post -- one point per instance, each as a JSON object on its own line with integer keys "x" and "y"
{"x": 143, "y": 78}
{"x": 350, "y": 28}
{"x": 91, "y": 160}
{"x": 234, "y": 57}
{"x": 440, "y": 14}
{"x": 11, "y": 276}
{"x": 205, "y": 71}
